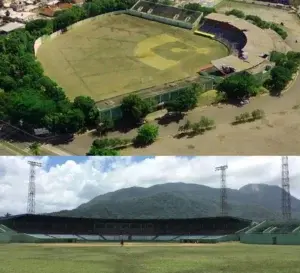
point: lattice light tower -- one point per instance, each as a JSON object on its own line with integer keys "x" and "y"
{"x": 285, "y": 189}
{"x": 31, "y": 187}
{"x": 223, "y": 197}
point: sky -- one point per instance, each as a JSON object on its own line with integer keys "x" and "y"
{"x": 66, "y": 182}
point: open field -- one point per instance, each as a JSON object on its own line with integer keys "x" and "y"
{"x": 120, "y": 54}
{"x": 142, "y": 258}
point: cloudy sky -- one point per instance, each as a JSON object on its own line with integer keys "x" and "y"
{"x": 66, "y": 182}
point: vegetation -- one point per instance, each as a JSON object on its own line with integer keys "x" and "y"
{"x": 108, "y": 146}
{"x": 196, "y": 128}
{"x": 147, "y": 134}
{"x": 249, "y": 117}
{"x": 185, "y": 101}
{"x": 239, "y": 86}
{"x": 29, "y": 99}
{"x": 256, "y": 20}
{"x": 135, "y": 109}
{"x": 282, "y": 73}
{"x": 198, "y": 7}
{"x": 226, "y": 258}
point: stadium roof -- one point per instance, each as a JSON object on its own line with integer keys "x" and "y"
{"x": 258, "y": 43}
{"x": 11, "y": 26}
{"x": 119, "y": 219}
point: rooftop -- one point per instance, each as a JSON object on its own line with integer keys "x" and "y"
{"x": 11, "y": 26}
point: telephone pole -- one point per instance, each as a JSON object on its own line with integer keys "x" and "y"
{"x": 223, "y": 189}
{"x": 31, "y": 187}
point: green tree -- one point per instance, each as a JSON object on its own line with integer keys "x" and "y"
{"x": 147, "y": 134}
{"x": 35, "y": 148}
{"x": 280, "y": 76}
{"x": 88, "y": 107}
{"x": 94, "y": 151}
{"x": 238, "y": 86}
{"x": 106, "y": 124}
{"x": 236, "y": 13}
{"x": 135, "y": 109}
{"x": 185, "y": 101}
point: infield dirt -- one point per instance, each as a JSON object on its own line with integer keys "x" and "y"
{"x": 119, "y": 54}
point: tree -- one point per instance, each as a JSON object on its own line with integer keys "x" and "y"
{"x": 238, "y": 86}
{"x": 147, "y": 134}
{"x": 135, "y": 109}
{"x": 185, "y": 101}
{"x": 236, "y": 13}
{"x": 106, "y": 124}
{"x": 280, "y": 76}
{"x": 94, "y": 151}
{"x": 35, "y": 148}
{"x": 7, "y": 215}
{"x": 88, "y": 107}
{"x": 198, "y": 7}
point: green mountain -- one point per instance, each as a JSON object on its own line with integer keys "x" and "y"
{"x": 181, "y": 200}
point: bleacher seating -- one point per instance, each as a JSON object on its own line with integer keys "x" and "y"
{"x": 165, "y": 238}
{"x": 288, "y": 228}
{"x": 112, "y": 237}
{"x": 188, "y": 16}
{"x": 212, "y": 237}
{"x": 141, "y": 238}
{"x": 189, "y": 237}
{"x": 64, "y": 236}
{"x": 225, "y": 32}
{"x": 91, "y": 237}
{"x": 40, "y": 236}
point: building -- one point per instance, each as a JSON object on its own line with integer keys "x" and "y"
{"x": 11, "y": 27}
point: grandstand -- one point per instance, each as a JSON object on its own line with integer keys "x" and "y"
{"x": 247, "y": 51}
{"x": 166, "y": 14}
{"x": 43, "y": 228}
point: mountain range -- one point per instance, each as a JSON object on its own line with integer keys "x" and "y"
{"x": 181, "y": 200}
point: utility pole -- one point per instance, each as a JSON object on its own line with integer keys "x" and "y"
{"x": 223, "y": 189}
{"x": 285, "y": 189}
{"x": 31, "y": 187}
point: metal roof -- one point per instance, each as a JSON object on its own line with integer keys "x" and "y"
{"x": 11, "y": 26}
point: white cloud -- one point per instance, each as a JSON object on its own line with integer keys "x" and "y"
{"x": 68, "y": 184}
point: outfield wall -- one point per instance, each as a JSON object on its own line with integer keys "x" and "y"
{"x": 116, "y": 113}
{"x": 271, "y": 238}
{"x": 163, "y": 20}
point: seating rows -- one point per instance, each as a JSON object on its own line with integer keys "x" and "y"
{"x": 40, "y": 236}
{"x": 169, "y": 12}
{"x": 232, "y": 35}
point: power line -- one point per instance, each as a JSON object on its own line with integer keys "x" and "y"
{"x": 31, "y": 187}
{"x": 223, "y": 189}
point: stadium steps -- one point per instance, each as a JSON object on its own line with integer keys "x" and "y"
{"x": 102, "y": 237}
{"x": 81, "y": 237}
{"x": 297, "y": 229}
{"x": 6, "y": 229}
{"x": 155, "y": 237}
{"x": 261, "y": 225}
{"x": 174, "y": 239}
{"x": 268, "y": 229}
{"x": 273, "y": 229}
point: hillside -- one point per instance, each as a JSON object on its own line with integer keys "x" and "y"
{"x": 180, "y": 200}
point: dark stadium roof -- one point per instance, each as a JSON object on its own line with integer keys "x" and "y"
{"x": 118, "y": 220}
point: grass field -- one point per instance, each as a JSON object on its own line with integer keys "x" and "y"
{"x": 121, "y": 54}
{"x": 155, "y": 258}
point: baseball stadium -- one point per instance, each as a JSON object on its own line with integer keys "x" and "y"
{"x": 43, "y": 243}
{"x": 152, "y": 50}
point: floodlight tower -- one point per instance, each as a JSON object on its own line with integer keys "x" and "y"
{"x": 223, "y": 201}
{"x": 31, "y": 187}
{"x": 285, "y": 189}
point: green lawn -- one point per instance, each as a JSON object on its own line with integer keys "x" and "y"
{"x": 231, "y": 258}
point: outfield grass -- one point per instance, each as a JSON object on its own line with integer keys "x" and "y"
{"x": 225, "y": 258}
{"x": 120, "y": 54}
